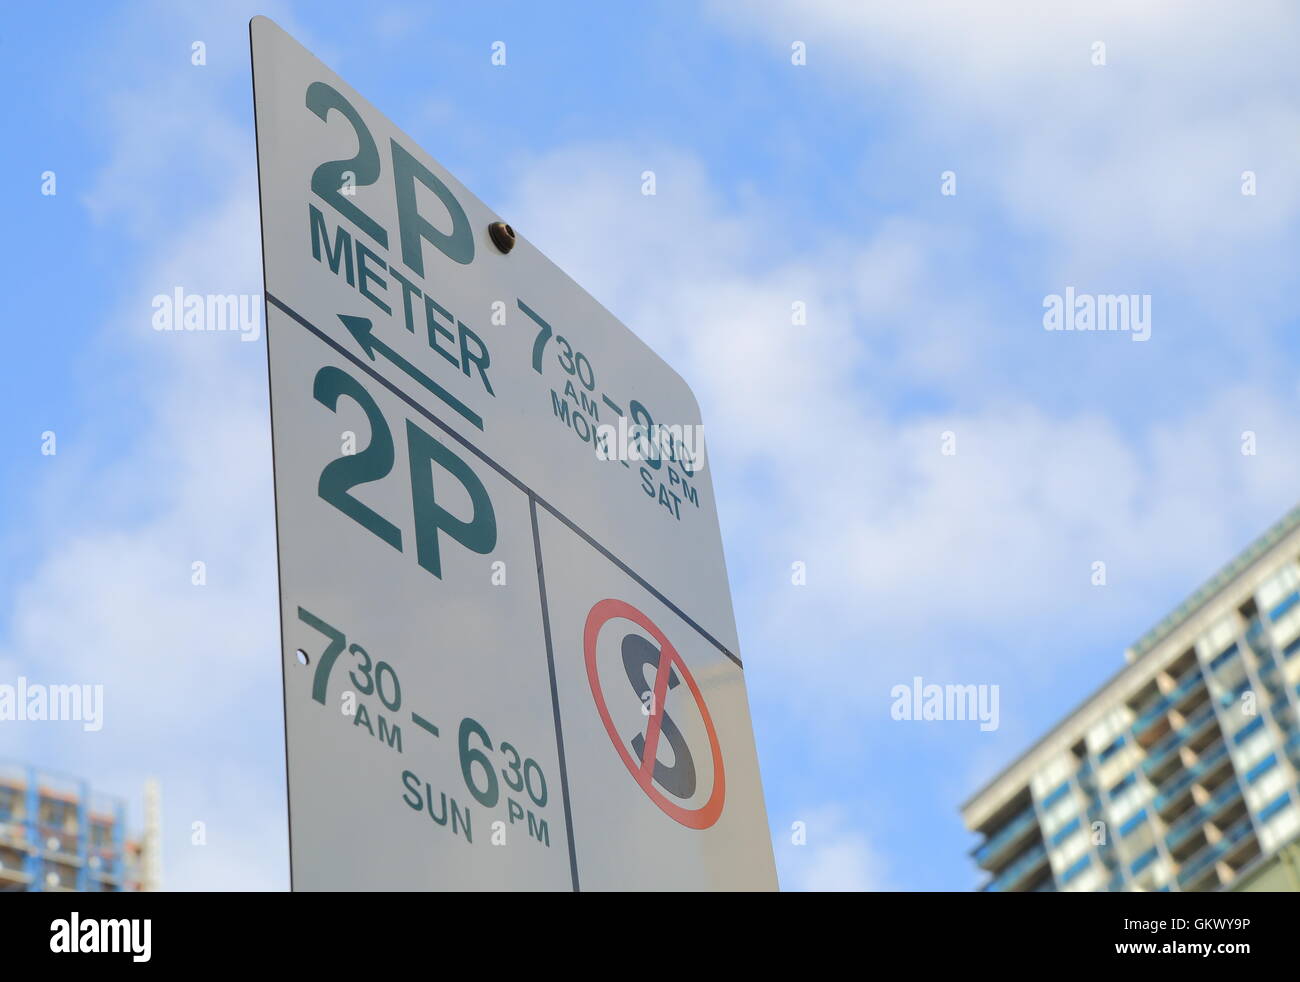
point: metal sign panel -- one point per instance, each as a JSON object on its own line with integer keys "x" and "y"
{"x": 508, "y": 641}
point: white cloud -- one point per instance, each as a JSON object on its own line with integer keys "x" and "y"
{"x": 832, "y": 858}
{"x": 1136, "y": 161}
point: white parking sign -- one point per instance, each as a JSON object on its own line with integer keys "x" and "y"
{"x": 510, "y": 657}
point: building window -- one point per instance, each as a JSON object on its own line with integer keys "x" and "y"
{"x": 1143, "y": 861}
{"x": 1225, "y": 656}
{"x": 1113, "y": 749}
{"x": 1263, "y": 767}
{"x": 1133, "y": 823}
{"x": 1066, "y": 832}
{"x": 1275, "y": 806}
{"x": 1084, "y": 862}
{"x": 1280, "y": 611}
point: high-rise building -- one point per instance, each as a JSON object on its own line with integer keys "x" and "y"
{"x": 56, "y": 833}
{"x": 1180, "y": 773}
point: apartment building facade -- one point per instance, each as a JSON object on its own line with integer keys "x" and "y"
{"x": 58, "y": 834}
{"x": 1183, "y": 771}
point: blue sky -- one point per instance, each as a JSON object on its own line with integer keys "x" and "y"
{"x": 776, "y": 183}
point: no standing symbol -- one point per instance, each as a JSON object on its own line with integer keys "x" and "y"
{"x": 660, "y": 782}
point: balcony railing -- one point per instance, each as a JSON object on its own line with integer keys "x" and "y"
{"x": 1214, "y": 850}
{"x": 1187, "y": 683}
{"x": 1158, "y": 754}
{"x": 1190, "y": 681}
{"x": 1005, "y": 835}
{"x": 1180, "y": 781}
{"x": 1013, "y": 874}
{"x": 1149, "y": 714}
{"x": 1184, "y": 827}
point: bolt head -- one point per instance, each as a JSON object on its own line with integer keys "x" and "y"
{"x": 503, "y": 236}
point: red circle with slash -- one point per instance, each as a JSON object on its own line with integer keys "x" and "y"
{"x": 643, "y": 770}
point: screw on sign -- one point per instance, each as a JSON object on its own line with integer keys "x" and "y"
{"x": 656, "y": 779}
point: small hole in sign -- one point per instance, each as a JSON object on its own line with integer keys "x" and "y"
{"x": 302, "y": 657}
